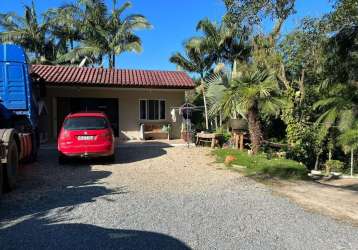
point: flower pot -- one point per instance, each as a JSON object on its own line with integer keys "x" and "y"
{"x": 238, "y": 124}
{"x": 336, "y": 174}
{"x": 316, "y": 172}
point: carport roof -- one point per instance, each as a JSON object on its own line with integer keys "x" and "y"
{"x": 99, "y": 77}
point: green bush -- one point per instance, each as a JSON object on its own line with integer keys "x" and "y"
{"x": 258, "y": 166}
{"x": 334, "y": 166}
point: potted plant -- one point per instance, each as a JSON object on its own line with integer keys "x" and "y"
{"x": 238, "y": 124}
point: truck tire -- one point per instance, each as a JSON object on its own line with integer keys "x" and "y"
{"x": 12, "y": 166}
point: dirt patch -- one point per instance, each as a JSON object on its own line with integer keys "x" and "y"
{"x": 336, "y": 198}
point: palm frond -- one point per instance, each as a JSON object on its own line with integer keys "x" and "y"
{"x": 183, "y": 62}
{"x": 350, "y": 138}
{"x": 328, "y": 118}
{"x": 118, "y": 12}
{"x": 208, "y": 28}
{"x": 324, "y": 103}
{"x": 346, "y": 119}
{"x": 135, "y": 22}
{"x": 134, "y": 45}
{"x": 80, "y": 53}
{"x": 271, "y": 106}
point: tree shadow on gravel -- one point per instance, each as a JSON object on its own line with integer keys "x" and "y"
{"x": 41, "y": 234}
{"x": 36, "y": 214}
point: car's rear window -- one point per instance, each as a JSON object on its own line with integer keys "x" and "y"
{"x": 85, "y": 123}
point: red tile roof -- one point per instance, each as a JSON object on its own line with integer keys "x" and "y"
{"x": 83, "y": 76}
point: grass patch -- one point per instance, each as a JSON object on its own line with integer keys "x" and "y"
{"x": 258, "y": 166}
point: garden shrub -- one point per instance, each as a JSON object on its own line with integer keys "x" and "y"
{"x": 334, "y": 166}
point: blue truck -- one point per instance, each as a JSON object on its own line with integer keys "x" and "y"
{"x": 19, "y": 139}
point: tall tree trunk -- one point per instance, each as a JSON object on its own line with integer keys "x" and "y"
{"x": 110, "y": 61}
{"x": 234, "y": 73}
{"x": 330, "y": 154}
{"x": 114, "y": 60}
{"x": 205, "y": 107}
{"x": 352, "y": 161}
{"x": 255, "y": 129}
{"x": 317, "y": 162}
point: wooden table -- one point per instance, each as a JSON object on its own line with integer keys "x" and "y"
{"x": 208, "y": 137}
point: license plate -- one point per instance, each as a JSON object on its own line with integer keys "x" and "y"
{"x": 85, "y": 137}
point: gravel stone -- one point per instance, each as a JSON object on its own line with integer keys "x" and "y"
{"x": 156, "y": 198}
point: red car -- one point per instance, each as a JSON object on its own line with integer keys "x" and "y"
{"x": 86, "y": 134}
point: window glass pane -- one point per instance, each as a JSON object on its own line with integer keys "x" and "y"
{"x": 151, "y": 114}
{"x": 153, "y": 109}
{"x": 162, "y": 110}
{"x": 85, "y": 123}
{"x": 143, "y": 109}
{"x": 156, "y": 110}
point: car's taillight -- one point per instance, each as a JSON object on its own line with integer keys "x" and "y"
{"x": 107, "y": 135}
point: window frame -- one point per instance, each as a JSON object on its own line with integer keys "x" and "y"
{"x": 147, "y": 109}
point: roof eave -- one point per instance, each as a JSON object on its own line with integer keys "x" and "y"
{"x": 97, "y": 85}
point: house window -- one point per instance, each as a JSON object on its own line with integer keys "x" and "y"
{"x": 152, "y": 110}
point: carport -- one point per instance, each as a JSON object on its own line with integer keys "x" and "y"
{"x": 66, "y": 105}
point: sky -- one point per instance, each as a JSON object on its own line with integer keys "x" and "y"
{"x": 173, "y": 21}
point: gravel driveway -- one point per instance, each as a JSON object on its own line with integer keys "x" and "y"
{"x": 156, "y": 198}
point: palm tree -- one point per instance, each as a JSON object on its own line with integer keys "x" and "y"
{"x": 252, "y": 93}
{"x": 225, "y": 43}
{"x": 123, "y": 38}
{"x": 28, "y": 32}
{"x": 349, "y": 141}
{"x": 107, "y": 33}
{"x": 338, "y": 109}
{"x": 195, "y": 61}
{"x": 220, "y": 98}
{"x": 219, "y": 44}
{"x": 64, "y": 23}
